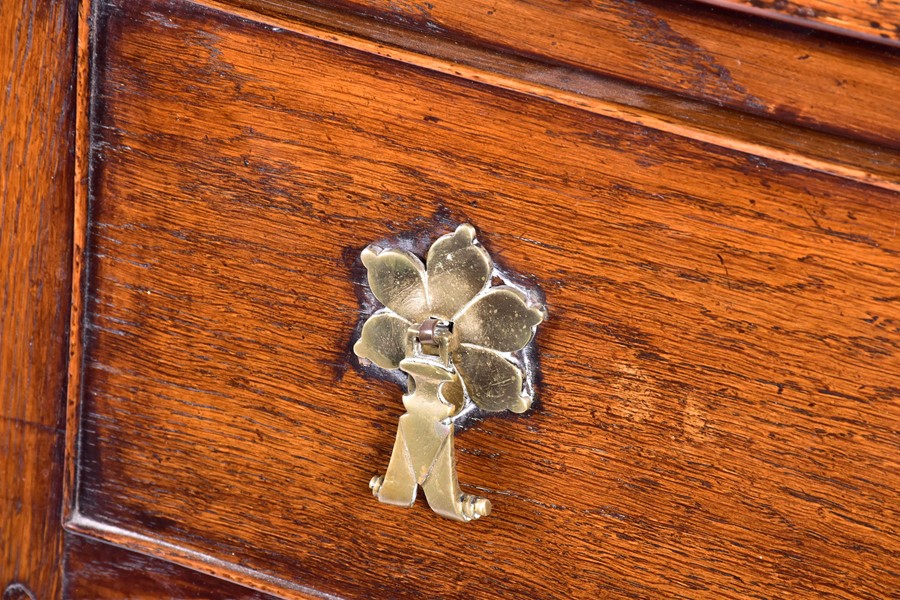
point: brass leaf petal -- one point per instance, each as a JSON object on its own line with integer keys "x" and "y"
{"x": 457, "y": 270}
{"x": 493, "y": 382}
{"x": 383, "y": 339}
{"x": 397, "y": 279}
{"x": 499, "y": 319}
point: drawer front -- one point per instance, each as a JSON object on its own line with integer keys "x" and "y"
{"x": 718, "y": 403}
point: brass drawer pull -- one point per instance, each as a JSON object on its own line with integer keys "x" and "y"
{"x": 454, "y": 335}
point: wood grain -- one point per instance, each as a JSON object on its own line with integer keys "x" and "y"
{"x": 99, "y": 571}
{"x": 790, "y": 144}
{"x": 755, "y": 65}
{"x": 719, "y": 400}
{"x": 37, "y": 124}
{"x": 878, "y": 20}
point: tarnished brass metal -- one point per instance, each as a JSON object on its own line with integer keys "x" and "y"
{"x": 458, "y": 338}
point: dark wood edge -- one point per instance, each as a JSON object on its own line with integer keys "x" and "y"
{"x": 811, "y": 23}
{"x": 190, "y": 558}
{"x": 96, "y": 569}
{"x": 791, "y": 144}
{"x": 79, "y": 249}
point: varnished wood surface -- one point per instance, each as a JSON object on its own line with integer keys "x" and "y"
{"x": 719, "y": 398}
{"x": 37, "y": 112}
{"x": 99, "y": 571}
{"x": 757, "y": 65}
{"x": 602, "y": 95}
{"x": 878, "y": 20}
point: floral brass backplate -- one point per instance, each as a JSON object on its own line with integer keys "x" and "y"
{"x": 458, "y": 338}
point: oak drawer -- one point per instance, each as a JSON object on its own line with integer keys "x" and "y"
{"x": 718, "y": 404}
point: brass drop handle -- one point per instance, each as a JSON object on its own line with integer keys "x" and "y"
{"x": 460, "y": 341}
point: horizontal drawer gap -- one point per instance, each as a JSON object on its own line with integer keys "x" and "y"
{"x": 791, "y": 144}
